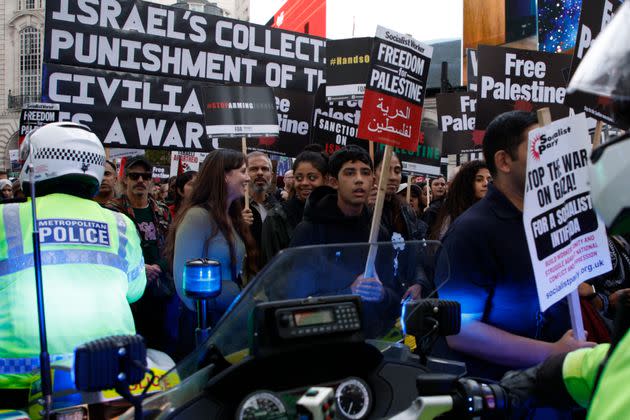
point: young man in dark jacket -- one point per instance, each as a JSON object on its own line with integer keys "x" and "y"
{"x": 333, "y": 216}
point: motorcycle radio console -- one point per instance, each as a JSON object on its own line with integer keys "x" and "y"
{"x": 278, "y": 325}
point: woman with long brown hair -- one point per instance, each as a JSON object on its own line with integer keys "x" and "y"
{"x": 211, "y": 224}
{"x": 469, "y": 185}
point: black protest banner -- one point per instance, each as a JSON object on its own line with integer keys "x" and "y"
{"x": 425, "y": 158}
{"x": 595, "y": 15}
{"x": 293, "y": 115}
{"x": 130, "y": 110}
{"x": 471, "y": 69}
{"x": 394, "y": 95}
{"x": 133, "y": 37}
{"x": 161, "y": 173}
{"x": 456, "y": 119}
{"x": 347, "y": 67}
{"x": 512, "y": 79}
{"x": 240, "y": 111}
{"x": 335, "y": 123}
{"x": 35, "y": 115}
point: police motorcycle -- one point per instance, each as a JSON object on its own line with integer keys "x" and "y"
{"x": 297, "y": 343}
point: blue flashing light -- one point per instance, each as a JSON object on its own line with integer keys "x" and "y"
{"x": 202, "y": 278}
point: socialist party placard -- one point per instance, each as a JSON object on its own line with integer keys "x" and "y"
{"x": 456, "y": 119}
{"x": 240, "y": 111}
{"x": 394, "y": 95}
{"x": 594, "y": 17}
{"x": 512, "y": 79}
{"x": 347, "y": 67}
{"x": 149, "y": 57}
{"x": 567, "y": 241}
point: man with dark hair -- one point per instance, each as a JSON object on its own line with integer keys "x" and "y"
{"x": 491, "y": 273}
{"x": 340, "y": 214}
{"x": 262, "y": 200}
{"x": 107, "y": 189}
{"x": 152, "y": 219}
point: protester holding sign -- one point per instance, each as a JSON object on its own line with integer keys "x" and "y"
{"x": 491, "y": 273}
{"x": 469, "y": 186}
{"x": 310, "y": 171}
{"x": 211, "y": 225}
{"x": 398, "y": 217}
{"x": 399, "y": 222}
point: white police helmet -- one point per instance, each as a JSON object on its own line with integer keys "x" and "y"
{"x": 60, "y": 149}
{"x": 605, "y": 71}
{"x": 610, "y": 189}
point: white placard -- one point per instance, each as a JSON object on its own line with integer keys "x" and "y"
{"x": 567, "y": 241}
{"x": 118, "y": 153}
{"x": 190, "y": 161}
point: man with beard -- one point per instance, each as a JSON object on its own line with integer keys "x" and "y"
{"x": 261, "y": 199}
{"x": 154, "y": 312}
{"x": 107, "y": 190}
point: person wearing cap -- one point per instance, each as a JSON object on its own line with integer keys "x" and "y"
{"x": 156, "y": 309}
{"x": 92, "y": 265}
{"x": 6, "y": 188}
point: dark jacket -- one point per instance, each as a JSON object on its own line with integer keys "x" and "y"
{"x": 324, "y": 223}
{"x": 430, "y": 215}
{"x": 332, "y": 270}
{"x": 277, "y": 230}
{"x": 414, "y": 228}
{"x": 256, "y": 227}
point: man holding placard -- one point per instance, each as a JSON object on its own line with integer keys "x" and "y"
{"x": 491, "y": 273}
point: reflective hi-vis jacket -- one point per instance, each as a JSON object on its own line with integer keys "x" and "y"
{"x": 92, "y": 268}
{"x": 579, "y": 371}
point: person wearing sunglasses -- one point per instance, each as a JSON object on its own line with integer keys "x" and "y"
{"x": 154, "y": 312}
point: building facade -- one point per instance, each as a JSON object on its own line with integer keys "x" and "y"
{"x": 21, "y": 46}
{"x": 21, "y": 42}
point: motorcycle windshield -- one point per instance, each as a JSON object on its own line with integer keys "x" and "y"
{"x": 406, "y": 269}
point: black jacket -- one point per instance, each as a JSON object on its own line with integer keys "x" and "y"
{"x": 278, "y": 228}
{"x": 324, "y": 223}
{"x": 430, "y": 215}
{"x": 415, "y": 229}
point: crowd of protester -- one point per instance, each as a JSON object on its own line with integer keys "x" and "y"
{"x": 237, "y": 211}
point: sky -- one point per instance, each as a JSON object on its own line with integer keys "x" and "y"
{"x": 425, "y": 20}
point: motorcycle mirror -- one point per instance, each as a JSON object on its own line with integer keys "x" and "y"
{"x": 110, "y": 362}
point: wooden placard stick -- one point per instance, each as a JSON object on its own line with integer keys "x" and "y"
{"x": 244, "y": 148}
{"x": 378, "y": 211}
{"x": 544, "y": 118}
{"x": 371, "y": 150}
{"x": 409, "y": 179}
{"x": 597, "y": 135}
